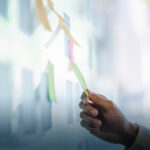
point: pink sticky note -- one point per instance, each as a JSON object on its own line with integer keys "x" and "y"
{"x": 71, "y": 50}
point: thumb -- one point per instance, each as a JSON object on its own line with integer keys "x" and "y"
{"x": 97, "y": 99}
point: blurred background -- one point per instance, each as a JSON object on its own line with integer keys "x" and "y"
{"x": 114, "y": 57}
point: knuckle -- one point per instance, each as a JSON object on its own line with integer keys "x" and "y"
{"x": 91, "y": 122}
{"x": 95, "y": 121}
{"x": 110, "y": 103}
{"x": 96, "y": 96}
{"x": 102, "y": 96}
{"x": 88, "y": 108}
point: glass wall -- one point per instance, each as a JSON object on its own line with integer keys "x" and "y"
{"x": 114, "y": 58}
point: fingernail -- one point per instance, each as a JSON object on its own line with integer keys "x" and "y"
{"x": 85, "y": 100}
{"x": 94, "y": 112}
{"x": 99, "y": 122}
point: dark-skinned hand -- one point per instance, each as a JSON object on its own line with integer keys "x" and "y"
{"x": 104, "y": 119}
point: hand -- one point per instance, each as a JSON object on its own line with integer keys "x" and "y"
{"x": 104, "y": 120}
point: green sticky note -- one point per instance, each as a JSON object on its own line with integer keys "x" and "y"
{"x": 51, "y": 82}
{"x": 79, "y": 77}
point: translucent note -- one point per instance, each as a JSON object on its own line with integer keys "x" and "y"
{"x": 51, "y": 82}
{"x": 79, "y": 77}
{"x": 53, "y": 37}
{"x": 42, "y": 14}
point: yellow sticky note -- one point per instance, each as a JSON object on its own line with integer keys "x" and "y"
{"x": 62, "y": 24}
{"x": 42, "y": 14}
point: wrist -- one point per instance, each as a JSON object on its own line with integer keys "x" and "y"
{"x": 131, "y": 134}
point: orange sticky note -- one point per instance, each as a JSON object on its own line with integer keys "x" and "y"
{"x": 62, "y": 24}
{"x": 42, "y": 14}
{"x": 51, "y": 5}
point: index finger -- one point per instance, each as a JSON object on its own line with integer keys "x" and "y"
{"x": 98, "y": 99}
{"x": 85, "y": 98}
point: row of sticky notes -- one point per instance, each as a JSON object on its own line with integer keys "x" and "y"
{"x": 43, "y": 17}
{"x": 51, "y": 80}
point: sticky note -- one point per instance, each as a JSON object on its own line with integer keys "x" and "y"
{"x": 42, "y": 14}
{"x": 51, "y": 82}
{"x": 53, "y": 37}
{"x": 79, "y": 77}
{"x": 71, "y": 51}
{"x": 62, "y": 24}
{"x": 51, "y": 6}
